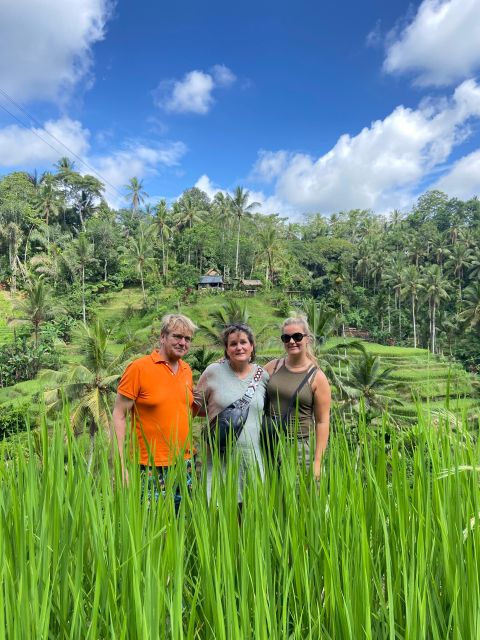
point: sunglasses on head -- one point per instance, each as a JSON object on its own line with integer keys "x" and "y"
{"x": 297, "y": 337}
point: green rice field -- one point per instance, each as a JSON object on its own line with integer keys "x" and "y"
{"x": 386, "y": 545}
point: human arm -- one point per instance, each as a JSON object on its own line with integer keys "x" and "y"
{"x": 321, "y": 410}
{"x": 200, "y": 395}
{"x": 121, "y": 407}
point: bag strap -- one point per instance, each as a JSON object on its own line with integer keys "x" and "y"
{"x": 250, "y": 390}
{"x": 293, "y": 399}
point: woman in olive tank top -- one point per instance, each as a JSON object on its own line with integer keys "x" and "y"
{"x": 312, "y": 403}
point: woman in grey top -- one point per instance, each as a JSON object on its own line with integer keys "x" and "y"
{"x": 225, "y": 382}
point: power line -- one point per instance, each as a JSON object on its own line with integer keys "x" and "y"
{"x": 38, "y": 124}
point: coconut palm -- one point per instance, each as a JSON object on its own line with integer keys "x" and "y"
{"x": 140, "y": 251}
{"x": 471, "y": 313}
{"x": 460, "y": 257}
{"x": 89, "y": 385}
{"x": 82, "y": 253}
{"x": 47, "y": 204}
{"x": 436, "y": 288}
{"x": 135, "y": 193}
{"x": 200, "y": 358}
{"x": 240, "y": 208}
{"x": 411, "y": 288}
{"x": 231, "y": 312}
{"x": 162, "y": 220}
{"x": 38, "y": 304}
{"x": 368, "y": 383}
{"x": 13, "y": 236}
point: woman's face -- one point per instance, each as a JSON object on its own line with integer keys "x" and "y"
{"x": 292, "y": 346}
{"x": 239, "y": 348}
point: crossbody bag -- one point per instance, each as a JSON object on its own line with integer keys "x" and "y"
{"x": 229, "y": 423}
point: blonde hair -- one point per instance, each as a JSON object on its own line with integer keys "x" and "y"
{"x": 170, "y": 321}
{"x": 302, "y": 320}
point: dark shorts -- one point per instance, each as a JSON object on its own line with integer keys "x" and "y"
{"x": 154, "y": 480}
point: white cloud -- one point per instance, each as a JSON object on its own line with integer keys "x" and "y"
{"x": 32, "y": 147}
{"x": 224, "y": 77}
{"x": 382, "y": 166}
{"x": 269, "y": 165}
{"x": 136, "y": 159}
{"x": 463, "y": 179}
{"x": 193, "y": 93}
{"x": 440, "y": 45}
{"x": 45, "y": 47}
{"x": 205, "y": 184}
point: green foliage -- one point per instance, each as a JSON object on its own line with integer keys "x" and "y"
{"x": 385, "y": 542}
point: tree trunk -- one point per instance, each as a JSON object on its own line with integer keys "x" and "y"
{"x": 143, "y": 286}
{"x": 83, "y": 297}
{"x": 414, "y": 323}
{"x": 433, "y": 327}
{"x": 238, "y": 247}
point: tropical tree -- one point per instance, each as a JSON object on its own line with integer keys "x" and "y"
{"x": 88, "y": 385}
{"x": 435, "y": 287}
{"x": 38, "y": 304}
{"x": 48, "y": 204}
{"x": 368, "y": 383}
{"x": 83, "y": 254}
{"x": 140, "y": 252}
{"x": 460, "y": 258}
{"x": 13, "y": 236}
{"x": 471, "y": 313}
{"x": 135, "y": 193}
{"x": 232, "y": 312}
{"x": 240, "y": 207}
{"x": 162, "y": 222}
{"x": 411, "y": 288}
{"x": 189, "y": 210}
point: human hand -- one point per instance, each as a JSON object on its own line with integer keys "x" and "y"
{"x": 317, "y": 469}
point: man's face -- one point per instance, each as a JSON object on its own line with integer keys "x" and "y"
{"x": 176, "y": 343}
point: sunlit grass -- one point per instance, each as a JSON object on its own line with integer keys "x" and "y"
{"x": 382, "y": 547}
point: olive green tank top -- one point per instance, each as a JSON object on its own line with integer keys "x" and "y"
{"x": 280, "y": 390}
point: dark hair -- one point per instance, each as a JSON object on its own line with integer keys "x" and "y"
{"x": 235, "y": 327}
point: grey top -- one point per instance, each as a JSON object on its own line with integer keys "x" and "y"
{"x": 219, "y": 386}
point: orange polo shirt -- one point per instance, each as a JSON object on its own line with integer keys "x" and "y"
{"x": 161, "y": 413}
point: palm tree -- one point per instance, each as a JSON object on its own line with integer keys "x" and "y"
{"x": 459, "y": 258}
{"x": 140, "y": 250}
{"x": 47, "y": 204}
{"x": 38, "y": 304}
{"x": 270, "y": 246}
{"x": 436, "y": 289}
{"x": 471, "y": 312}
{"x": 188, "y": 211}
{"x": 240, "y": 208}
{"x": 411, "y": 287}
{"x": 136, "y": 193}
{"x": 162, "y": 221}
{"x": 232, "y": 312}
{"x": 200, "y": 358}
{"x": 83, "y": 252}
{"x": 13, "y": 236}
{"x": 368, "y": 382}
{"x": 89, "y": 385}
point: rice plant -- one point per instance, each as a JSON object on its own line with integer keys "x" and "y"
{"x": 384, "y": 546}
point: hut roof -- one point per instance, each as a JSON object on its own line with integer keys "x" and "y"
{"x": 211, "y": 280}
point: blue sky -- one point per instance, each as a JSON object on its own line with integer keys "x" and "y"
{"x": 313, "y": 107}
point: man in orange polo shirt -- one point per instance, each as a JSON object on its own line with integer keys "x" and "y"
{"x": 157, "y": 391}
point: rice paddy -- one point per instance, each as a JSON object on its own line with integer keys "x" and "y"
{"x": 387, "y": 545}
